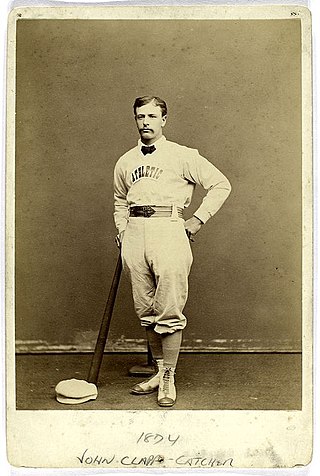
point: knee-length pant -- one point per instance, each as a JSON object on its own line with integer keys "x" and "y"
{"x": 156, "y": 254}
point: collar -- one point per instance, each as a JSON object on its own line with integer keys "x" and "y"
{"x": 158, "y": 143}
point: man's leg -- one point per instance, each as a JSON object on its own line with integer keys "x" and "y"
{"x": 170, "y": 259}
{"x": 160, "y": 296}
{"x": 138, "y": 271}
{"x": 155, "y": 343}
{"x": 165, "y": 349}
{"x": 171, "y": 344}
{"x": 143, "y": 289}
{"x": 151, "y": 385}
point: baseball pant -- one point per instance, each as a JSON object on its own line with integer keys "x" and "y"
{"x": 156, "y": 254}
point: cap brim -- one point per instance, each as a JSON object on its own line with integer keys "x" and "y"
{"x": 75, "y": 401}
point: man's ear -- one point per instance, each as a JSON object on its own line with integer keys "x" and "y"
{"x": 164, "y": 120}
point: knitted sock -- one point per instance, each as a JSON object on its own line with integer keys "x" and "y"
{"x": 171, "y": 347}
{"x": 155, "y": 343}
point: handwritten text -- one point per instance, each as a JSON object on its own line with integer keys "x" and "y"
{"x": 156, "y": 438}
{"x": 196, "y": 461}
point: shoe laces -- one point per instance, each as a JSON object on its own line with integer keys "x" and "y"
{"x": 166, "y": 379}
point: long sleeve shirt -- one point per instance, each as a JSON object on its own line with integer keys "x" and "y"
{"x": 168, "y": 176}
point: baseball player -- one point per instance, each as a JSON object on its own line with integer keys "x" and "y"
{"x": 153, "y": 184}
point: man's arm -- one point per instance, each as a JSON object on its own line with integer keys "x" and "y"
{"x": 200, "y": 171}
{"x": 120, "y": 203}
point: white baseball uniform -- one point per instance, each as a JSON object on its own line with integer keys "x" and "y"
{"x": 156, "y": 251}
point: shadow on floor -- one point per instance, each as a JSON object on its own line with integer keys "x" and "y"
{"x": 213, "y": 381}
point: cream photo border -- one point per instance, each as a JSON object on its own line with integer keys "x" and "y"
{"x": 237, "y": 438}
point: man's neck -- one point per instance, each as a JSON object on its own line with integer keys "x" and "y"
{"x": 152, "y": 141}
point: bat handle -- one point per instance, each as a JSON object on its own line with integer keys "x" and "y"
{"x": 105, "y": 325}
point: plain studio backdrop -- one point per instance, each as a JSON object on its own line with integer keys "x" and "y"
{"x": 233, "y": 90}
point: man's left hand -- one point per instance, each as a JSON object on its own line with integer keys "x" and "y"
{"x": 192, "y": 227}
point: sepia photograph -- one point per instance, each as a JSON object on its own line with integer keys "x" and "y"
{"x": 159, "y": 236}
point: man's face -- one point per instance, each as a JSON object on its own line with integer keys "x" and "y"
{"x": 150, "y": 122}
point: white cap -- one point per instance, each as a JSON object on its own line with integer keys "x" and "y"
{"x": 73, "y": 391}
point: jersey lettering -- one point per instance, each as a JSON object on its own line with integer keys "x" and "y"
{"x": 146, "y": 171}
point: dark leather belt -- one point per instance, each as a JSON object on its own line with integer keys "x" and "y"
{"x": 147, "y": 211}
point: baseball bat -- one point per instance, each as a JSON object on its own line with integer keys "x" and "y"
{"x": 105, "y": 325}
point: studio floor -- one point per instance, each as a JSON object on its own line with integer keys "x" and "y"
{"x": 211, "y": 381}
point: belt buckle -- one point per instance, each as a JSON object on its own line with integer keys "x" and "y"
{"x": 147, "y": 211}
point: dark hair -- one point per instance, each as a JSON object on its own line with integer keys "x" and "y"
{"x": 143, "y": 100}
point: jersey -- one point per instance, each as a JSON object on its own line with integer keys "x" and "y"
{"x": 166, "y": 177}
